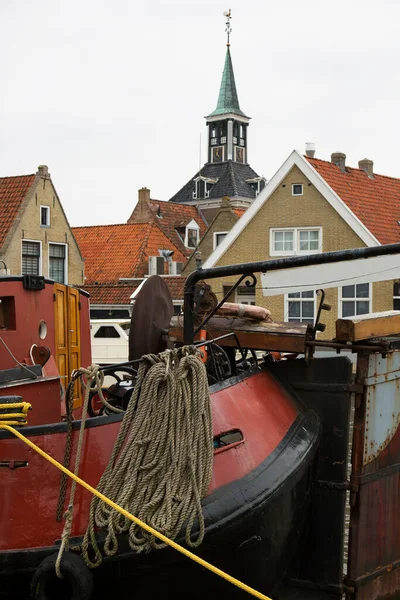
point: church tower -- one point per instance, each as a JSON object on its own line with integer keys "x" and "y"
{"x": 227, "y": 124}
{"x": 227, "y": 172}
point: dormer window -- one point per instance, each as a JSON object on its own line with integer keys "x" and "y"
{"x": 257, "y": 183}
{"x": 192, "y": 238}
{"x": 192, "y": 234}
{"x": 202, "y": 187}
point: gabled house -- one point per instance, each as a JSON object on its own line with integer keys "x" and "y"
{"x": 35, "y": 236}
{"x": 119, "y": 257}
{"x": 216, "y": 232}
{"x": 311, "y": 206}
{"x": 184, "y": 225}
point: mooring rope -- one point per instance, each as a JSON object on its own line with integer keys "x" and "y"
{"x": 92, "y": 373}
{"x": 94, "y": 383}
{"x": 161, "y": 464}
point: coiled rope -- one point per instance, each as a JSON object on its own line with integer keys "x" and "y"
{"x": 161, "y": 464}
{"x": 20, "y": 417}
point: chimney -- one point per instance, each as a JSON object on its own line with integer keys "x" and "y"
{"x": 144, "y": 195}
{"x": 339, "y": 159}
{"x": 367, "y": 166}
{"x": 142, "y": 212}
{"x": 310, "y": 149}
{"x": 43, "y": 170}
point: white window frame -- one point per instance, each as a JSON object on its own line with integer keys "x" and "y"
{"x": 40, "y": 253}
{"x": 296, "y": 241}
{"x": 216, "y": 233}
{"x": 246, "y": 298}
{"x": 341, "y": 300}
{"x": 192, "y": 225}
{"x": 302, "y": 189}
{"x": 299, "y": 300}
{"x": 206, "y": 180}
{"x": 65, "y": 259}
{"x": 47, "y": 224}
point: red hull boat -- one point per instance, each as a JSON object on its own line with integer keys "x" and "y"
{"x": 280, "y": 435}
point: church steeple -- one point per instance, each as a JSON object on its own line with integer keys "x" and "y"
{"x": 228, "y": 101}
{"x": 227, "y": 124}
{"x": 227, "y": 171}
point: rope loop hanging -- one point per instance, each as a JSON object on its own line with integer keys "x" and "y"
{"x": 161, "y": 464}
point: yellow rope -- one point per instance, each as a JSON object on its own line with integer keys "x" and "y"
{"x": 24, "y": 405}
{"x": 128, "y": 515}
{"x": 10, "y": 418}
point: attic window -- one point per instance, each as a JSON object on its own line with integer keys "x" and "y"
{"x": 218, "y": 237}
{"x": 192, "y": 237}
{"x": 297, "y": 189}
{"x": 45, "y": 216}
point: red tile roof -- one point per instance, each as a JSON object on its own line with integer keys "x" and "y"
{"x": 121, "y": 293}
{"x": 108, "y": 293}
{"x": 169, "y": 216}
{"x": 376, "y": 202}
{"x": 114, "y": 251}
{"x": 12, "y": 193}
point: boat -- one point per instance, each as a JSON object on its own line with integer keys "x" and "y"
{"x": 274, "y": 508}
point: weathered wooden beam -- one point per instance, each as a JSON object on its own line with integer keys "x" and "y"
{"x": 257, "y": 335}
{"x": 364, "y": 327}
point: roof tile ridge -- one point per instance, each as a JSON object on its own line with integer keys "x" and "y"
{"x": 232, "y": 172}
{"x": 348, "y": 168}
{"x": 17, "y": 176}
{"x": 106, "y": 225}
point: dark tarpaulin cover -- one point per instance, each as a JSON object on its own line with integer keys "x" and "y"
{"x": 151, "y": 314}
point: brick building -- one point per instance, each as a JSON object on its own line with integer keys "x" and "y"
{"x": 158, "y": 239}
{"x": 311, "y": 206}
{"x": 35, "y": 236}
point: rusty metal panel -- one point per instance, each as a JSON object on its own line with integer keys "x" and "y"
{"x": 382, "y": 403}
{"x": 374, "y": 537}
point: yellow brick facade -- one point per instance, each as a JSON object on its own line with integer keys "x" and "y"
{"x": 223, "y": 222}
{"x": 27, "y": 226}
{"x": 311, "y": 209}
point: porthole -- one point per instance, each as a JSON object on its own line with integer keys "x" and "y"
{"x": 42, "y": 330}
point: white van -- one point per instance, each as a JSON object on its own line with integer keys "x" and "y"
{"x": 110, "y": 340}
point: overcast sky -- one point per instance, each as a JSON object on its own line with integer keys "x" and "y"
{"x": 112, "y": 95}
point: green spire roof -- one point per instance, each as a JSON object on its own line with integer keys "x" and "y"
{"x": 228, "y": 101}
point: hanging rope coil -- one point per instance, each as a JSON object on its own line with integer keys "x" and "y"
{"x": 161, "y": 464}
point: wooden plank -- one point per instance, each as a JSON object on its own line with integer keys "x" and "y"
{"x": 364, "y": 327}
{"x": 258, "y": 335}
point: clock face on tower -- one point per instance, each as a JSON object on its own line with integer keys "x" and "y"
{"x": 217, "y": 154}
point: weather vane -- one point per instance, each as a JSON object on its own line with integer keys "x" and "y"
{"x": 228, "y": 29}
